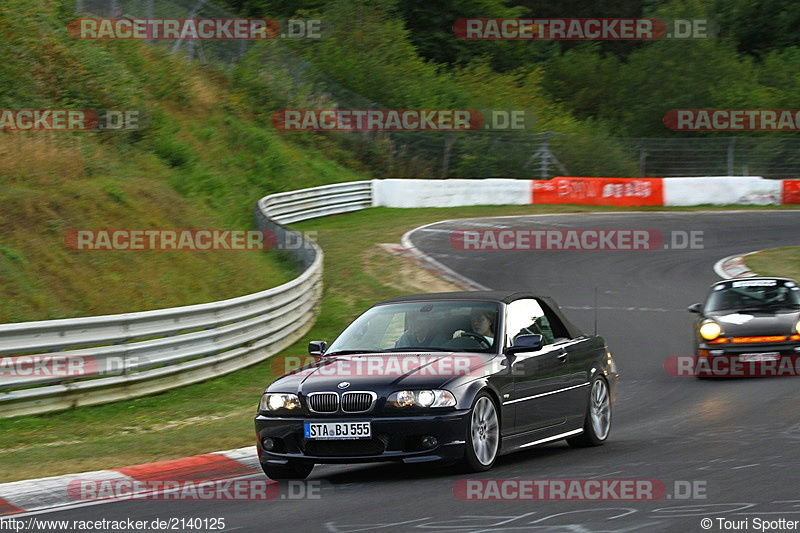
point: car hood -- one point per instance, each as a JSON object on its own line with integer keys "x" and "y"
{"x": 380, "y": 371}
{"x": 751, "y": 323}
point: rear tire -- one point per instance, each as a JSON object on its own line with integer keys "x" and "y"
{"x": 597, "y": 424}
{"x": 483, "y": 435}
{"x": 287, "y": 471}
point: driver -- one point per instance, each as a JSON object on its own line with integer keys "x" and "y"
{"x": 422, "y": 332}
{"x": 775, "y": 295}
{"x": 482, "y": 324}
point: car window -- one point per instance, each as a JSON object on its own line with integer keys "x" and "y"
{"x": 753, "y": 294}
{"x": 394, "y": 330}
{"x": 408, "y": 326}
{"x": 557, "y": 328}
{"x": 526, "y": 317}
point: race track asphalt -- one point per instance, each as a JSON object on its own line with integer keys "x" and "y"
{"x": 738, "y": 439}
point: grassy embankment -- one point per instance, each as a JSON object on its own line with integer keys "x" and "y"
{"x": 783, "y": 261}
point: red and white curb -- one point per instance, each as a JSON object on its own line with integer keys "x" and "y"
{"x": 408, "y": 250}
{"x": 52, "y": 492}
{"x": 734, "y": 267}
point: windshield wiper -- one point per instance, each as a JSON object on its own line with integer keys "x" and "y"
{"x": 782, "y": 305}
{"x": 751, "y": 308}
{"x": 352, "y": 352}
{"x": 767, "y": 306}
{"x": 417, "y": 349}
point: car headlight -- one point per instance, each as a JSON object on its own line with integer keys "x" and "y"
{"x": 710, "y": 330}
{"x": 797, "y": 327}
{"x": 271, "y": 401}
{"x": 423, "y": 398}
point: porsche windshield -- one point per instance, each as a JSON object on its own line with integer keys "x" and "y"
{"x": 415, "y": 326}
{"x": 766, "y": 294}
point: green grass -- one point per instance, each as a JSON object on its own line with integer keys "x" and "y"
{"x": 217, "y": 414}
{"x": 200, "y": 161}
{"x": 784, "y": 262}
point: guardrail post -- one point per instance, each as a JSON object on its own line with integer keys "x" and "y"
{"x": 642, "y": 161}
{"x": 448, "y": 144}
{"x": 545, "y": 151}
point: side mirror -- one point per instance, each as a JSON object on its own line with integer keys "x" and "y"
{"x": 526, "y": 343}
{"x": 317, "y": 347}
{"x": 696, "y": 308}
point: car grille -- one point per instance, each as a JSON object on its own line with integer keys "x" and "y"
{"x": 357, "y": 402}
{"x": 323, "y": 402}
{"x": 346, "y": 448}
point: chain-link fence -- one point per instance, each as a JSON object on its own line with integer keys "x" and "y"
{"x": 276, "y": 76}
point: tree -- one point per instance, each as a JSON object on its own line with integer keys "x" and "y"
{"x": 759, "y": 26}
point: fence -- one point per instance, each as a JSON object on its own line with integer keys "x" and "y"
{"x": 136, "y": 354}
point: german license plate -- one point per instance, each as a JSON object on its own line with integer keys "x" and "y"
{"x": 338, "y": 430}
{"x": 765, "y": 356}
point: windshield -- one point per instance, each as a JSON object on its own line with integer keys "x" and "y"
{"x": 768, "y": 294}
{"x": 414, "y": 326}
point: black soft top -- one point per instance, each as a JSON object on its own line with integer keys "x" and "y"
{"x": 491, "y": 296}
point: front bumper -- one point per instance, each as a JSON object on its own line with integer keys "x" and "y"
{"x": 749, "y": 359}
{"x": 394, "y": 438}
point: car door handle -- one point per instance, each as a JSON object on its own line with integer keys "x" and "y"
{"x": 562, "y": 355}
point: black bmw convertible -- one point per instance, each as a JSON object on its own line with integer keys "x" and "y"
{"x": 450, "y": 377}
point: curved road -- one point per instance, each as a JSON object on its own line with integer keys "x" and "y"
{"x": 733, "y": 439}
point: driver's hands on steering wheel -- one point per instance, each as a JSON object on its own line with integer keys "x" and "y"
{"x": 477, "y": 336}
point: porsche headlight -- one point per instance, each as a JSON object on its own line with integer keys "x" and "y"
{"x": 423, "y": 398}
{"x": 271, "y": 401}
{"x": 710, "y": 330}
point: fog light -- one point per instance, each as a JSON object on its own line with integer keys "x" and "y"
{"x": 268, "y": 443}
{"x": 429, "y": 442}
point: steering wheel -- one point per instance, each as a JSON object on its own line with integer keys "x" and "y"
{"x": 477, "y": 337}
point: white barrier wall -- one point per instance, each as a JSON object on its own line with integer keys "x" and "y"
{"x": 712, "y": 190}
{"x": 722, "y": 190}
{"x": 450, "y": 192}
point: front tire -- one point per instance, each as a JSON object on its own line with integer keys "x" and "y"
{"x": 287, "y": 471}
{"x": 597, "y": 424}
{"x": 483, "y": 435}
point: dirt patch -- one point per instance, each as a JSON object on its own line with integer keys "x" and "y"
{"x": 401, "y": 272}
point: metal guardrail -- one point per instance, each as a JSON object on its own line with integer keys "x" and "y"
{"x": 294, "y": 206}
{"x": 134, "y": 354}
